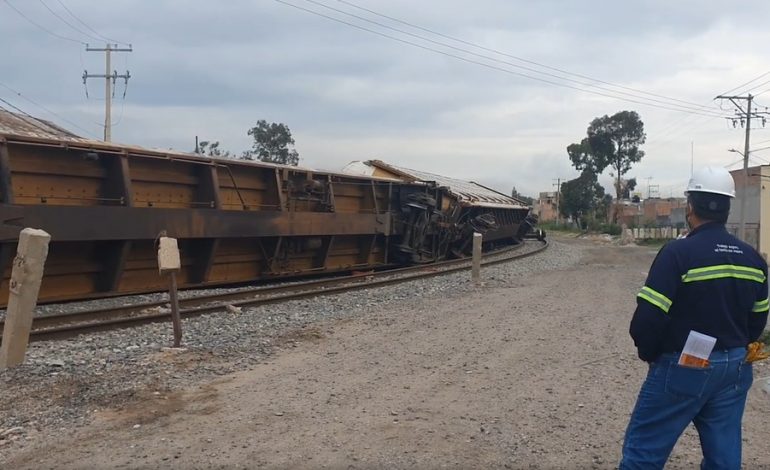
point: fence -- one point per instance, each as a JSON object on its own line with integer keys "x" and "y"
{"x": 658, "y": 233}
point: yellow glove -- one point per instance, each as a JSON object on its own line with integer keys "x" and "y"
{"x": 756, "y": 352}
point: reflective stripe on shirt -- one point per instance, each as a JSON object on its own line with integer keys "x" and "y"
{"x": 722, "y": 271}
{"x": 655, "y": 298}
{"x": 761, "y": 306}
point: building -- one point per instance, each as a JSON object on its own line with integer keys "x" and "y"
{"x": 757, "y": 193}
{"x": 546, "y": 207}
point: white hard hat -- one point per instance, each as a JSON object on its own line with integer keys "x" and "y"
{"x": 712, "y": 179}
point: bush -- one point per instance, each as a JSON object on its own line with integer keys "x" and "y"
{"x": 612, "y": 229}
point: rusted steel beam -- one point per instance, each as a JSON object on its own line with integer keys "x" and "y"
{"x": 323, "y": 255}
{"x": 208, "y": 188}
{"x": 6, "y": 189}
{"x": 204, "y": 253}
{"x": 114, "y": 255}
{"x": 117, "y": 183}
{"x": 72, "y": 223}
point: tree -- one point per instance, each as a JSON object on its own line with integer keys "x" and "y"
{"x": 212, "y": 149}
{"x": 526, "y": 200}
{"x": 611, "y": 142}
{"x": 626, "y": 186}
{"x": 581, "y": 196}
{"x": 273, "y": 143}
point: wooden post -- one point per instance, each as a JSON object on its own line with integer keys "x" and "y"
{"x": 24, "y": 286}
{"x": 476, "y": 269}
{"x": 169, "y": 261}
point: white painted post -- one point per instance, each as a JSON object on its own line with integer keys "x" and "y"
{"x": 476, "y": 269}
{"x": 24, "y": 286}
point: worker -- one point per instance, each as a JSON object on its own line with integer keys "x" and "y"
{"x": 712, "y": 283}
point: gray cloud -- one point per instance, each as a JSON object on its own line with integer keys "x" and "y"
{"x": 213, "y": 68}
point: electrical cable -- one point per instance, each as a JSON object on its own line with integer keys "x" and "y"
{"x": 67, "y": 22}
{"x": 744, "y": 84}
{"x": 482, "y": 64}
{"x": 521, "y": 59}
{"x": 44, "y": 109}
{"x": 8, "y": 2}
{"x": 529, "y": 69}
{"x": 103, "y": 37}
{"x": 33, "y": 122}
{"x": 757, "y": 86}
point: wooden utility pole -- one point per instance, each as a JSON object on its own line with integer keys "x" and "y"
{"x": 110, "y": 77}
{"x": 23, "y": 287}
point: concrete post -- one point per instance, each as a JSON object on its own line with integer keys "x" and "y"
{"x": 476, "y": 269}
{"x": 24, "y": 286}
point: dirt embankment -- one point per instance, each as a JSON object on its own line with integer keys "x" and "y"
{"x": 534, "y": 372}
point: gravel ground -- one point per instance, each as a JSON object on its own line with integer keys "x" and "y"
{"x": 532, "y": 370}
{"x": 110, "y": 302}
{"x": 63, "y": 383}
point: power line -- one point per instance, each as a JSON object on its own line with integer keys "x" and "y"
{"x": 744, "y": 84}
{"x": 505, "y": 54}
{"x": 482, "y": 64}
{"x": 8, "y": 2}
{"x": 102, "y": 37}
{"x": 43, "y": 108}
{"x": 757, "y": 86}
{"x": 34, "y": 121}
{"x": 67, "y": 22}
{"x": 493, "y": 59}
{"x": 679, "y": 129}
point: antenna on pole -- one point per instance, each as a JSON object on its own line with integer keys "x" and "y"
{"x": 692, "y": 156}
{"x": 109, "y": 78}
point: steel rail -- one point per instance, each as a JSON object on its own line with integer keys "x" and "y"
{"x": 73, "y": 323}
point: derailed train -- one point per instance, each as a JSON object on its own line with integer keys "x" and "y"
{"x": 105, "y": 205}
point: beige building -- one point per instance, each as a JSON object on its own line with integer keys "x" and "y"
{"x": 546, "y": 207}
{"x": 757, "y": 192}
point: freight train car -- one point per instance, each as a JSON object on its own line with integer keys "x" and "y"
{"x": 105, "y": 205}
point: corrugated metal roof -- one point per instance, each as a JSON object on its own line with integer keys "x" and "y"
{"x": 467, "y": 192}
{"x": 24, "y": 125}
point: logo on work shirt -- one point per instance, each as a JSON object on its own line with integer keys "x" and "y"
{"x": 720, "y": 248}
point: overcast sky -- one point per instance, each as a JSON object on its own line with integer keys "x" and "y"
{"x": 213, "y": 69}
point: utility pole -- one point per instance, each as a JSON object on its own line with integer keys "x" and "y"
{"x": 558, "y": 199}
{"x": 109, "y": 79}
{"x": 648, "y": 186}
{"x": 744, "y": 115}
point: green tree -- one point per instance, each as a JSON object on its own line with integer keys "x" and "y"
{"x": 581, "y": 196}
{"x": 611, "y": 142}
{"x": 273, "y": 143}
{"x": 626, "y": 186}
{"x": 212, "y": 149}
{"x": 525, "y": 200}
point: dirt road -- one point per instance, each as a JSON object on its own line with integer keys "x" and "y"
{"x": 536, "y": 373}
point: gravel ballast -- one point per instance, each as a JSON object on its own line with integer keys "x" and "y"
{"x": 64, "y": 382}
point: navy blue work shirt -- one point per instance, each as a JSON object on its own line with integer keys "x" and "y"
{"x": 710, "y": 282}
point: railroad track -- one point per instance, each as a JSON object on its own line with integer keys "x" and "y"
{"x": 77, "y": 322}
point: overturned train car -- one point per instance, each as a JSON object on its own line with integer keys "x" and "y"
{"x": 105, "y": 206}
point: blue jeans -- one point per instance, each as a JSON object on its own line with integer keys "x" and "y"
{"x": 672, "y": 396}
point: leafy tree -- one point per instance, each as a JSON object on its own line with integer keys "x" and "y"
{"x": 580, "y": 196}
{"x": 526, "y": 200}
{"x": 212, "y": 149}
{"x": 273, "y": 143}
{"x": 611, "y": 142}
{"x": 626, "y": 186}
